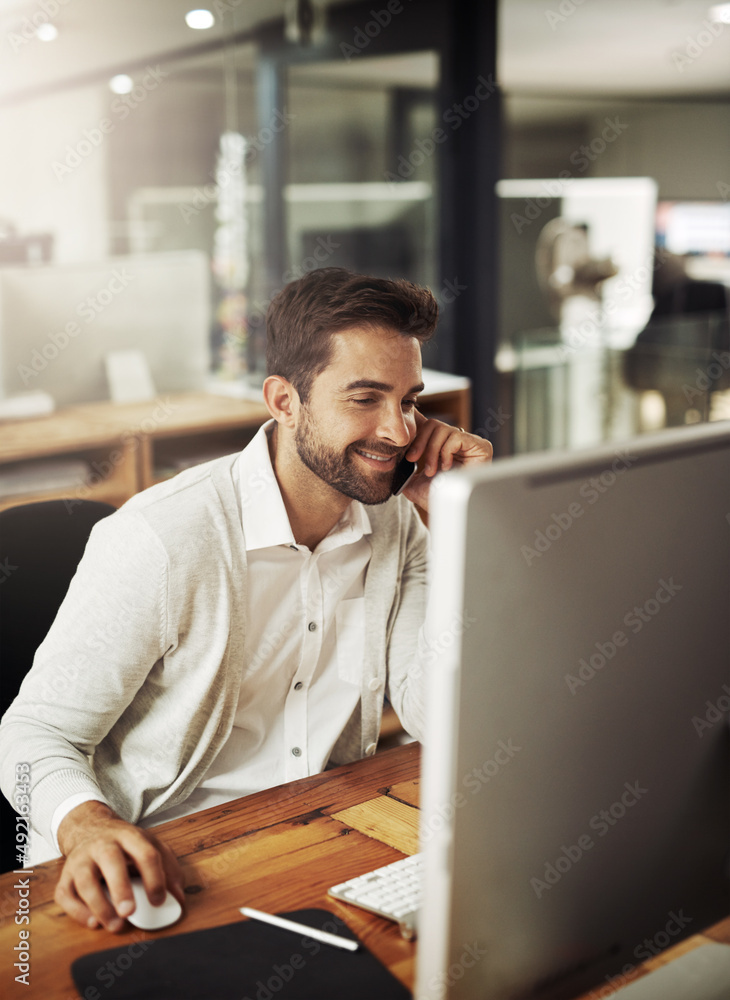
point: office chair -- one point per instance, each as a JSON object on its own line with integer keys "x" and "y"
{"x": 40, "y": 547}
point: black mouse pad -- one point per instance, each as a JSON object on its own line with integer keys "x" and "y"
{"x": 246, "y": 960}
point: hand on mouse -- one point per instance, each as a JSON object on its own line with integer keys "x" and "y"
{"x": 99, "y": 846}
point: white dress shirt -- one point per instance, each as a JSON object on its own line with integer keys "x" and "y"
{"x": 304, "y": 644}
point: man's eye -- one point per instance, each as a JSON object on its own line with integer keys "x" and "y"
{"x": 368, "y": 399}
{"x": 411, "y": 404}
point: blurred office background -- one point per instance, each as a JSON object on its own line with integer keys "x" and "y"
{"x": 557, "y": 172}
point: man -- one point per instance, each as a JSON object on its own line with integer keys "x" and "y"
{"x": 269, "y": 600}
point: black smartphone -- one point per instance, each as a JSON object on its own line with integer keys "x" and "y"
{"x": 403, "y": 474}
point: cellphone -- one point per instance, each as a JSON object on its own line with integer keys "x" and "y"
{"x": 403, "y": 474}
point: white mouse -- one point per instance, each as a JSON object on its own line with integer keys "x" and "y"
{"x": 148, "y": 917}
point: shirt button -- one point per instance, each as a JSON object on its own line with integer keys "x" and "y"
{"x": 373, "y": 683}
{"x": 298, "y": 686}
{"x": 371, "y": 748}
{"x": 312, "y": 626}
{"x": 296, "y": 752}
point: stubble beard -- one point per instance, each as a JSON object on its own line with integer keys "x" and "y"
{"x": 339, "y": 470}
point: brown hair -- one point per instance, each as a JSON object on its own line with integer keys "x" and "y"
{"x": 303, "y": 316}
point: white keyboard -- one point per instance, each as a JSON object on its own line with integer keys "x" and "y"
{"x": 393, "y": 891}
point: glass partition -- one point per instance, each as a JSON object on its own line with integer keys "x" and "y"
{"x": 178, "y": 157}
{"x": 361, "y": 190}
{"x": 574, "y": 396}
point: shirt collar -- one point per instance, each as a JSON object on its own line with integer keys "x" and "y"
{"x": 263, "y": 514}
{"x": 350, "y": 528}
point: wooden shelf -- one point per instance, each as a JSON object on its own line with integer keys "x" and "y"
{"x": 119, "y": 441}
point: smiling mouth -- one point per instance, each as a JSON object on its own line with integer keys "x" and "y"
{"x": 372, "y": 456}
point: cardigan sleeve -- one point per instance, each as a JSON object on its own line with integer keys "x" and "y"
{"x": 407, "y": 645}
{"x": 109, "y": 632}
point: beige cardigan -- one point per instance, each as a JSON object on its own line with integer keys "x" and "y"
{"x": 133, "y": 692}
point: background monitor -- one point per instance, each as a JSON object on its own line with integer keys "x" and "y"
{"x": 694, "y": 227}
{"x": 58, "y": 323}
{"x": 575, "y": 816}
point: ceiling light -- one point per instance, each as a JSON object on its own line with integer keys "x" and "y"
{"x": 720, "y": 12}
{"x": 121, "y": 84}
{"x": 199, "y": 19}
{"x": 47, "y": 32}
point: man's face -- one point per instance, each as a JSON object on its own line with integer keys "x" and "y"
{"x": 360, "y": 416}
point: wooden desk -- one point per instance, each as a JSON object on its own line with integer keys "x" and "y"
{"x": 276, "y": 850}
{"x": 270, "y": 850}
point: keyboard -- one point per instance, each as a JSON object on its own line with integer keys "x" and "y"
{"x": 393, "y": 891}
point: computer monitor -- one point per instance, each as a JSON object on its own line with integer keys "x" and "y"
{"x": 700, "y": 228}
{"x": 575, "y": 808}
{"x": 58, "y": 323}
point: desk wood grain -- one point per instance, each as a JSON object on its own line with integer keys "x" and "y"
{"x": 276, "y": 850}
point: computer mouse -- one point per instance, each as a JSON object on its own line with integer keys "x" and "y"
{"x": 148, "y": 917}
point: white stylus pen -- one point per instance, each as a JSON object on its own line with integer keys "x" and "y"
{"x": 291, "y": 925}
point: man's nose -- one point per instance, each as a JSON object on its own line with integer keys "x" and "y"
{"x": 394, "y": 426}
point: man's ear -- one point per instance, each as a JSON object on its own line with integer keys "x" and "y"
{"x": 282, "y": 400}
